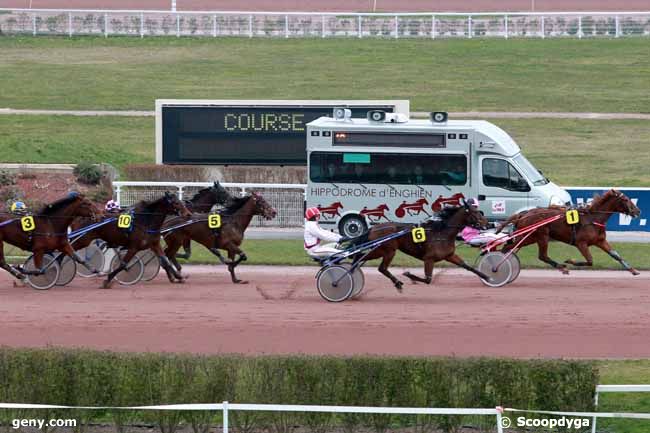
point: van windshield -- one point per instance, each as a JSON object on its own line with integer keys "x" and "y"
{"x": 530, "y": 171}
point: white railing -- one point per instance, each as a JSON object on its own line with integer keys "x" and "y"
{"x": 288, "y": 199}
{"x": 615, "y": 388}
{"x": 432, "y": 25}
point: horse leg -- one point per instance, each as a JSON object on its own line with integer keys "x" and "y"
{"x": 171, "y": 254}
{"x": 383, "y": 268}
{"x": 233, "y": 263}
{"x": 7, "y": 267}
{"x": 584, "y": 250}
{"x": 605, "y": 246}
{"x": 173, "y": 275}
{"x": 428, "y": 273}
{"x": 123, "y": 262}
{"x": 458, "y": 261}
{"x": 216, "y": 252}
{"x": 187, "y": 247}
{"x": 542, "y": 245}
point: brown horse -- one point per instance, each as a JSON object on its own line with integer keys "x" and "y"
{"x": 588, "y": 231}
{"x": 143, "y": 233}
{"x": 49, "y": 233}
{"x": 235, "y": 219}
{"x": 440, "y": 243}
{"x": 202, "y": 202}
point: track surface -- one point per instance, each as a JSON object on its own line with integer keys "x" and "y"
{"x": 343, "y": 5}
{"x": 589, "y": 314}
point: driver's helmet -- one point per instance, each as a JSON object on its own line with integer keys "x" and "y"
{"x": 112, "y": 206}
{"x": 18, "y": 207}
{"x": 311, "y": 213}
{"x": 472, "y": 202}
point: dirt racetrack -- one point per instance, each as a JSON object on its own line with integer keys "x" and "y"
{"x": 588, "y": 314}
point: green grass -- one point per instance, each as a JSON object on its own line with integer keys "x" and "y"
{"x": 516, "y": 75}
{"x": 570, "y": 152}
{"x": 265, "y": 252}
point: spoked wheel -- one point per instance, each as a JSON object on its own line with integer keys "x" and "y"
{"x": 151, "y": 264}
{"x": 68, "y": 270}
{"x": 94, "y": 257}
{"x": 335, "y": 283}
{"x": 133, "y": 272}
{"x": 45, "y": 280}
{"x": 358, "y": 279}
{"x": 516, "y": 266}
{"x": 497, "y": 267}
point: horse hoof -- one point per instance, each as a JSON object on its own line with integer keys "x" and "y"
{"x": 398, "y": 286}
{"x": 569, "y": 261}
{"x": 106, "y": 284}
{"x": 565, "y": 271}
{"x": 635, "y": 272}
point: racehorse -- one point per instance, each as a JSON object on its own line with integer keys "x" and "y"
{"x": 202, "y": 202}
{"x": 412, "y": 208}
{"x": 440, "y": 243}
{"x": 378, "y": 213}
{"x": 587, "y": 231}
{"x": 142, "y": 233}
{"x": 236, "y": 217}
{"x": 47, "y": 231}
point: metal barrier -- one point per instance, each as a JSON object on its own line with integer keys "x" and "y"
{"x": 287, "y": 199}
{"x": 323, "y": 25}
{"x": 615, "y": 388}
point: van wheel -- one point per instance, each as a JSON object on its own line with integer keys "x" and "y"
{"x": 352, "y": 226}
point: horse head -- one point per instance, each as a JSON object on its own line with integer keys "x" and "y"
{"x": 262, "y": 207}
{"x": 623, "y": 204}
{"x": 172, "y": 205}
{"x": 73, "y": 205}
{"x": 473, "y": 216}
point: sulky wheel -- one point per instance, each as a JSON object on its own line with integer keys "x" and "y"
{"x": 68, "y": 270}
{"x": 94, "y": 257}
{"x": 133, "y": 272}
{"x": 357, "y": 278}
{"x": 516, "y": 266}
{"x": 497, "y": 267}
{"x": 151, "y": 264}
{"x": 335, "y": 283}
{"x": 48, "y": 278}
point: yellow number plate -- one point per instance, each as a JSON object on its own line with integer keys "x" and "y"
{"x": 124, "y": 221}
{"x": 572, "y": 217}
{"x": 419, "y": 235}
{"x": 214, "y": 221}
{"x": 27, "y": 223}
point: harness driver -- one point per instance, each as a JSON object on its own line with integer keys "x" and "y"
{"x": 314, "y": 234}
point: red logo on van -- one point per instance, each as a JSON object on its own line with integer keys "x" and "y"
{"x": 377, "y": 213}
{"x": 329, "y": 212}
{"x": 412, "y": 208}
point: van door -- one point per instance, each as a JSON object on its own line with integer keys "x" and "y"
{"x": 503, "y": 191}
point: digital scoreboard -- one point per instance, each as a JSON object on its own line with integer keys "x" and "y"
{"x": 245, "y": 132}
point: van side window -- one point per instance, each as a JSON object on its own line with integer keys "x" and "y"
{"x": 387, "y": 168}
{"x": 501, "y": 174}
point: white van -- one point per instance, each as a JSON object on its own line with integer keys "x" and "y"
{"x": 390, "y": 168}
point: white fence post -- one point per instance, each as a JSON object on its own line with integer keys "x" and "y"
{"x": 118, "y": 193}
{"x": 543, "y": 30}
{"x": 180, "y": 192}
{"x": 250, "y": 26}
{"x": 433, "y": 26}
{"x": 359, "y": 25}
{"x": 593, "y": 425}
{"x": 322, "y": 30}
{"x": 579, "y": 27}
{"x": 499, "y": 422}
{"x": 469, "y": 26}
{"x": 506, "y": 23}
{"x": 178, "y": 26}
{"x": 225, "y": 417}
{"x": 70, "y": 24}
{"x": 105, "y": 25}
{"x": 286, "y": 26}
{"x": 34, "y": 23}
{"x": 141, "y": 24}
{"x": 214, "y": 26}
{"x": 618, "y": 28}
{"x": 396, "y": 27}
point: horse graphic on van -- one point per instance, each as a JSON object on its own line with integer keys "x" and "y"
{"x": 374, "y": 215}
{"x": 331, "y": 211}
{"x": 441, "y": 201}
{"x": 412, "y": 208}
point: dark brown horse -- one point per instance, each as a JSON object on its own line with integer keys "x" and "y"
{"x": 49, "y": 233}
{"x": 144, "y": 233}
{"x": 588, "y": 231}
{"x": 440, "y": 243}
{"x": 235, "y": 219}
{"x": 202, "y": 202}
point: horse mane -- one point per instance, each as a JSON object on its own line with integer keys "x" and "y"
{"x": 51, "y": 208}
{"x": 599, "y": 199}
{"x": 144, "y": 205}
{"x": 235, "y": 203}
